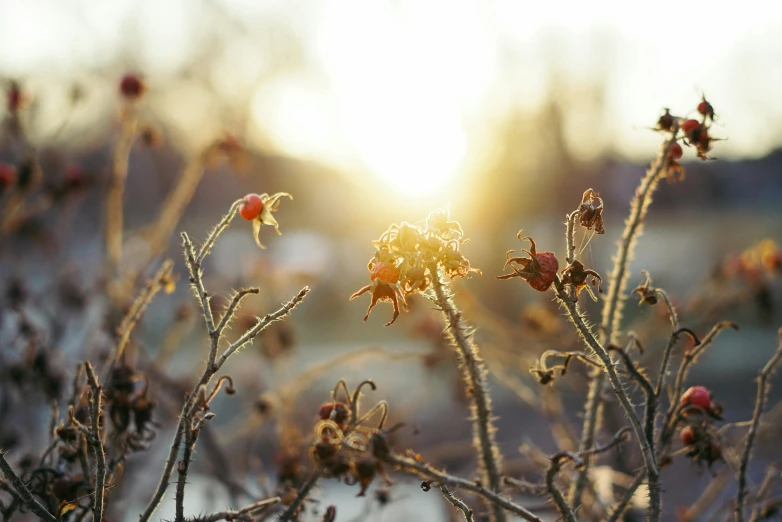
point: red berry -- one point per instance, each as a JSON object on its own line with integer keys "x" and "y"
{"x": 7, "y": 175}
{"x": 131, "y": 86}
{"x": 688, "y": 436}
{"x": 547, "y": 273}
{"x": 697, "y": 396}
{"x": 251, "y": 207}
{"x": 386, "y": 272}
{"x": 690, "y": 125}
{"x": 676, "y": 152}
{"x": 706, "y": 109}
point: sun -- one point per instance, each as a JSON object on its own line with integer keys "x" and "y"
{"x": 418, "y": 158}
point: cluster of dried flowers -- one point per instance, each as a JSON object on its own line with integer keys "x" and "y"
{"x": 408, "y": 256}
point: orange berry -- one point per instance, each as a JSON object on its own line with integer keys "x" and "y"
{"x": 386, "y": 272}
{"x": 251, "y": 207}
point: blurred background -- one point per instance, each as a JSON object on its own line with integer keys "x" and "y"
{"x": 372, "y": 113}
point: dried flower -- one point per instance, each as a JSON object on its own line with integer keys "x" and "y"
{"x": 590, "y": 212}
{"x": 539, "y": 270}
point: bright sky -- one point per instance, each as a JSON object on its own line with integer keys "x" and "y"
{"x": 409, "y": 90}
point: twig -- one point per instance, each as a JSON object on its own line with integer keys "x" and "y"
{"x": 229, "y": 312}
{"x": 114, "y": 197}
{"x": 763, "y": 388}
{"x": 474, "y": 374}
{"x": 238, "y": 514}
{"x": 771, "y": 473}
{"x": 681, "y": 375}
{"x": 458, "y": 504}
{"x": 647, "y": 450}
{"x": 651, "y": 399}
{"x": 626, "y": 498}
{"x": 424, "y": 470}
{"x": 217, "y": 230}
{"x": 555, "y": 464}
{"x": 612, "y": 310}
{"x": 21, "y": 490}
{"x": 161, "y": 278}
{"x": 212, "y": 367}
{"x": 95, "y": 441}
{"x": 293, "y": 509}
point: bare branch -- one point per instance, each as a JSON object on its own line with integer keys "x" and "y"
{"x": 763, "y": 388}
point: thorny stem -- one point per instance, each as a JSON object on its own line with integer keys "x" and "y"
{"x": 474, "y": 372}
{"x": 628, "y": 496}
{"x": 646, "y": 386}
{"x": 119, "y": 166}
{"x": 570, "y": 235}
{"x": 647, "y": 450}
{"x": 763, "y": 387}
{"x": 96, "y": 442}
{"x": 217, "y": 230}
{"x": 229, "y": 312}
{"x": 20, "y": 489}
{"x": 212, "y": 367}
{"x": 416, "y": 467}
{"x": 241, "y": 513}
{"x": 458, "y": 504}
{"x": 293, "y": 509}
{"x": 182, "y": 469}
{"x": 555, "y": 465}
{"x": 615, "y": 297}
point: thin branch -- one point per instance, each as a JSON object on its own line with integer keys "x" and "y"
{"x": 627, "y": 498}
{"x": 647, "y": 450}
{"x": 21, "y": 490}
{"x": 474, "y": 374}
{"x": 763, "y": 388}
{"x": 458, "y": 504}
{"x": 240, "y": 513}
{"x": 212, "y": 367}
{"x": 114, "y": 205}
{"x": 229, "y": 312}
{"x": 261, "y": 325}
{"x": 293, "y": 509}
{"x": 615, "y": 297}
{"x": 96, "y": 442}
{"x": 689, "y": 357}
{"x": 771, "y": 473}
{"x": 415, "y": 467}
{"x": 161, "y": 278}
{"x": 217, "y": 230}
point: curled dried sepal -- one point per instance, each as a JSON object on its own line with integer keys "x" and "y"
{"x": 590, "y": 212}
{"x": 578, "y": 275}
{"x": 384, "y": 287}
{"x": 647, "y": 293}
{"x": 539, "y": 270}
{"x": 270, "y": 204}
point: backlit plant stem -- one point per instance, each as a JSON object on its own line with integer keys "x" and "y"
{"x": 763, "y": 388}
{"x": 474, "y": 373}
{"x": 615, "y": 297}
